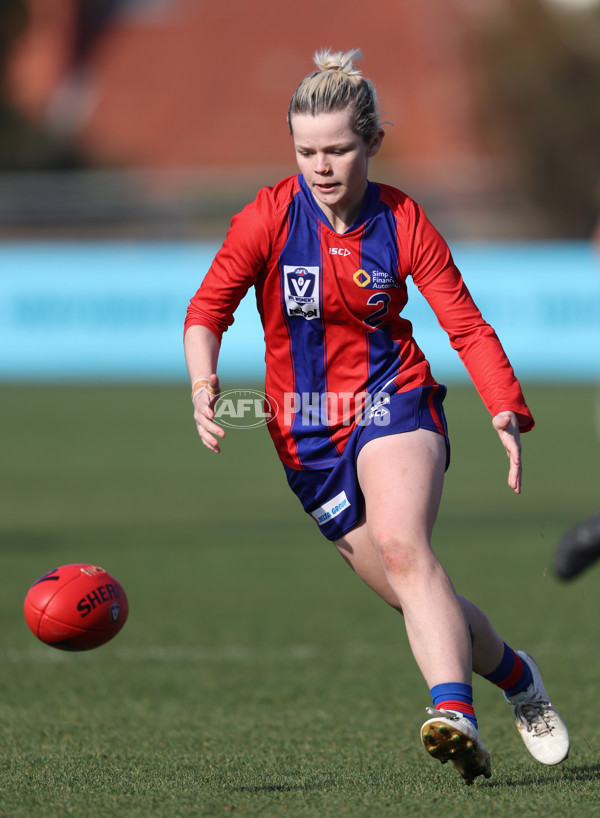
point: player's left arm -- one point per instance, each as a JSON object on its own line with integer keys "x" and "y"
{"x": 507, "y": 426}
{"x": 476, "y": 342}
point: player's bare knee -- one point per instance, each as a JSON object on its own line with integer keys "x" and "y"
{"x": 400, "y": 557}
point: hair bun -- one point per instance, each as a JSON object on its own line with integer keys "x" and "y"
{"x": 337, "y": 85}
{"x": 326, "y": 60}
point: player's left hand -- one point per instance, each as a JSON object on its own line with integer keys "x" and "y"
{"x": 507, "y": 426}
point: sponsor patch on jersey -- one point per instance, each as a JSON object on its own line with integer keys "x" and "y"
{"x": 375, "y": 280}
{"x": 362, "y": 278}
{"x": 301, "y": 288}
{"x": 383, "y": 281}
{"x": 331, "y": 508}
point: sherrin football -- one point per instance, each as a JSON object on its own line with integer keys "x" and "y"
{"x": 76, "y": 607}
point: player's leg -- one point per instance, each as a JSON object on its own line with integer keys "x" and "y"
{"x": 385, "y": 569}
{"x": 578, "y": 549}
{"x": 361, "y": 555}
{"x": 544, "y": 733}
{"x": 401, "y": 477}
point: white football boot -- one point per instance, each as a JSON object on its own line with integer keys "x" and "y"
{"x": 542, "y": 729}
{"x": 449, "y": 736}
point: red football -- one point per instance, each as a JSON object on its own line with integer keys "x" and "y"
{"x": 76, "y": 607}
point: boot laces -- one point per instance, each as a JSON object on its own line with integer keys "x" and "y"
{"x": 536, "y": 715}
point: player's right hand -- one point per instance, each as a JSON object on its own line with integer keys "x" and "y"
{"x": 204, "y": 401}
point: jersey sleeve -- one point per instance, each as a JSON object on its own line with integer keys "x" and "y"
{"x": 235, "y": 268}
{"x": 438, "y": 279}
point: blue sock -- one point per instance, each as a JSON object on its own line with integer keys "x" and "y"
{"x": 512, "y": 675}
{"x": 454, "y": 696}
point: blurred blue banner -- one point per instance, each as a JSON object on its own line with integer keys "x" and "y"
{"x": 543, "y": 300}
{"x": 115, "y": 310}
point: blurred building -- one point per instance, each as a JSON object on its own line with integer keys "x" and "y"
{"x": 177, "y": 108}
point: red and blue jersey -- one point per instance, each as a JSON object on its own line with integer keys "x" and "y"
{"x": 331, "y": 308}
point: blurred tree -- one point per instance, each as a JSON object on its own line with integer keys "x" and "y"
{"x": 23, "y": 144}
{"x": 543, "y": 67}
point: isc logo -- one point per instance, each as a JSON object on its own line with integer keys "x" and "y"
{"x": 339, "y": 251}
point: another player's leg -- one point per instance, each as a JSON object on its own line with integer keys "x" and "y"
{"x": 401, "y": 477}
{"x": 578, "y": 549}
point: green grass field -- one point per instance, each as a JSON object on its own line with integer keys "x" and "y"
{"x": 256, "y": 676}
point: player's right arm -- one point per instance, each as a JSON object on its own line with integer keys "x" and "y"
{"x": 201, "y": 348}
{"x": 235, "y": 268}
{"x": 210, "y": 313}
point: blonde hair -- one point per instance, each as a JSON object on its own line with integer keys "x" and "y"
{"x": 335, "y": 85}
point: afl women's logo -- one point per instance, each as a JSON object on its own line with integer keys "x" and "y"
{"x": 301, "y": 291}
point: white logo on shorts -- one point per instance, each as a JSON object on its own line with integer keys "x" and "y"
{"x": 331, "y": 508}
{"x": 378, "y": 412}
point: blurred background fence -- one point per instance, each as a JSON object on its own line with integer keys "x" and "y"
{"x": 113, "y": 310}
{"x": 131, "y": 130}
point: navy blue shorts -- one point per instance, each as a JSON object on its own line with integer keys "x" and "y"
{"x": 333, "y": 496}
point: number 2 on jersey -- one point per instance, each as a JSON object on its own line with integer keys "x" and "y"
{"x": 374, "y": 319}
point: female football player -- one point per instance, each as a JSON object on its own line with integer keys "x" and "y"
{"x": 361, "y": 431}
